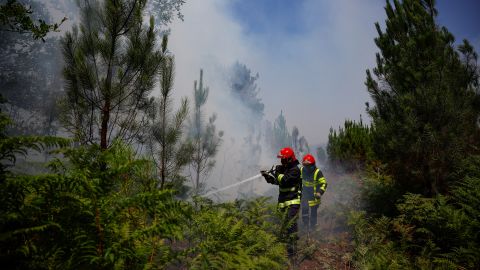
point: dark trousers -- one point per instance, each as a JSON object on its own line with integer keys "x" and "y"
{"x": 309, "y": 215}
{"x": 290, "y": 227}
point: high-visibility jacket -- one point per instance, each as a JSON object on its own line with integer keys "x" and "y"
{"x": 290, "y": 185}
{"x": 313, "y": 182}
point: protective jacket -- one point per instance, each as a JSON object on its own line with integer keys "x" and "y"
{"x": 290, "y": 184}
{"x": 313, "y": 182}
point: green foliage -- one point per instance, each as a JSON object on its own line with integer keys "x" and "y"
{"x": 165, "y": 139}
{"x": 440, "y": 232}
{"x": 351, "y": 147}
{"x": 467, "y": 222}
{"x": 425, "y": 96}
{"x": 449, "y": 223}
{"x": 111, "y": 62}
{"x": 16, "y": 17}
{"x": 12, "y": 147}
{"x": 85, "y": 216}
{"x": 425, "y": 137}
{"x": 379, "y": 192}
{"x": 373, "y": 248}
{"x": 102, "y": 209}
{"x": 238, "y": 235}
{"x": 444, "y": 230}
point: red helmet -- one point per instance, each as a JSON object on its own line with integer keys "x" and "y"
{"x": 308, "y": 160}
{"x": 286, "y": 153}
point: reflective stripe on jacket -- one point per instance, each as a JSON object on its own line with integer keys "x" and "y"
{"x": 290, "y": 185}
{"x": 313, "y": 185}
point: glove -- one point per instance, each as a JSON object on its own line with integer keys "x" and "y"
{"x": 268, "y": 177}
{"x": 279, "y": 169}
{"x": 317, "y": 195}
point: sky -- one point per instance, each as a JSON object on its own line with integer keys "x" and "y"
{"x": 311, "y": 55}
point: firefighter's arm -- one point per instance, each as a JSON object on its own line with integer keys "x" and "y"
{"x": 320, "y": 183}
{"x": 288, "y": 176}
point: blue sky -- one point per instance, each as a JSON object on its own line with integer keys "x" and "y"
{"x": 285, "y": 17}
{"x": 259, "y": 17}
{"x": 461, "y": 17}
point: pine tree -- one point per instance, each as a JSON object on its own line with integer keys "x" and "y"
{"x": 303, "y": 147}
{"x": 244, "y": 87}
{"x": 295, "y": 142}
{"x": 425, "y": 96}
{"x": 205, "y": 138}
{"x": 111, "y": 64}
{"x": 281, "y": 136}
{"x": 351, "y": 146}
{"x": 170, "y": 151}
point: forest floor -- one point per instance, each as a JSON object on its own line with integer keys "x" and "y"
{"x": 329, "y": 246}
{"x": 332, "y": 253}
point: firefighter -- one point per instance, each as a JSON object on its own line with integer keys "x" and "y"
{"x": 287, "y": 177}
{"x": 314, "y": 186}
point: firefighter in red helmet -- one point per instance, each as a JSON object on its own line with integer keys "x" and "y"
{"x": 314, "y": 185}
{"x": 287, "y": 177}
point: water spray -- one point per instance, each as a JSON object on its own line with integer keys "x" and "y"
{"x": 233, "y": 185}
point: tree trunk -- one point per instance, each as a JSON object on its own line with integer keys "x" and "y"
{"x": 198, "y": 162}
{"x": 104, "y": 126}
{"x": 163, "y": 161}
{"x": 197, "y": 180}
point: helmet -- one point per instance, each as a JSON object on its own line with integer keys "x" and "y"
{"x": 308, "y": 160}
{"x": 286, "y": 153}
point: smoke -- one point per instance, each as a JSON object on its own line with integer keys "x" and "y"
{"x": 30, "y": 75}
{"x": 244, "y": 150}
{"x": 250, "y": 141}
{"x": 235, "y": 95}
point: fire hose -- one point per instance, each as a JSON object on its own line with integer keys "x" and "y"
{"x": 232, "y": 185}
{"x": 238, "y": 183}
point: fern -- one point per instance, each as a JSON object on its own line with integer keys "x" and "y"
{"x": 11, "y": 147}
{"x": 234, "y": 235}
{"x": 373, "y": 248}
{"x": 87, "y": 216}
{"x": 440, "y": 232}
